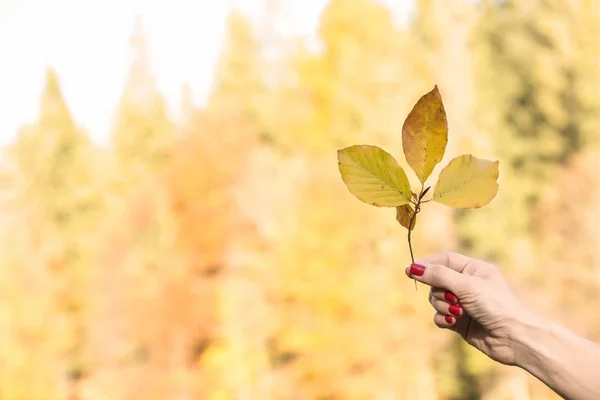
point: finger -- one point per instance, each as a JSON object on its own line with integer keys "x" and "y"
{"x": 444, "y": 321}
{"x": 452, "y": 260}
{"x": 444, "y": 294}
{"x": 440, "y": 276}
{"x": 441, "y": 294}
{"x": 443, "y": 307}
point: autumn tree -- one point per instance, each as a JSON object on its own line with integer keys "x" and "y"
{"x": 235, "y": 109}
{"x": 238, "y": 83}
{"x": 143, "y": 131}
{"x": 166, "y": 245}
{"x": 539, "y": 61}
{"x": 55, "y": 207}
{"x": 162, "y": 291}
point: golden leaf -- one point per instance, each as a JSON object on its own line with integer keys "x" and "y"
{"x": 373, "y": 176}
{"x": 425, "y": 134}
{"x": 467, "y": 182}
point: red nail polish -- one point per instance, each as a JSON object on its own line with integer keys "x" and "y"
{"x": 450, "y": 297}
{"x": 449, "y": 319}
{"x": 417, "y": 269}
{"x": 454, "y": 309}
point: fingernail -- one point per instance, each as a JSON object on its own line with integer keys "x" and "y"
{"x": 449, "y": 319}
{"x": 417, "y": 269}
{"x": 450, "y": 297}
{"x": 454, "y": 309}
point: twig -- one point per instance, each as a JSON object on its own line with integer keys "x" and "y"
{"x": 412, "y": 257}
{"x": 411, "y": 224}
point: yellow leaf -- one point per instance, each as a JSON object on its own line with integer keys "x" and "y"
{"x": 404, "y": 216}
{"x": 425, "y": 134}
{"x": 467, "y": 182}
{"x": 374, "y": 176}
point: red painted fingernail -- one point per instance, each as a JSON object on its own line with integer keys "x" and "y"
{"x": 450, "y": 297}
{"x": 417, "y": 269}
{"x": 449, "y": 319}
{"x": 454, "y": 309}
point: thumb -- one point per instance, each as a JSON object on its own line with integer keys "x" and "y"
{"x": 440, "y": 276}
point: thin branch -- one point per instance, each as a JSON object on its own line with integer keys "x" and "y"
{"x": 412, "y": 257}
{"x": 411, "y": 224}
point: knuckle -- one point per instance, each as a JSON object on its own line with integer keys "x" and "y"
{"x": 451, "y": 254}
{"x": 446, "y": 256}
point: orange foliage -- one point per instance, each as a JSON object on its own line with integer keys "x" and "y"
{"x": 164, "y": 267}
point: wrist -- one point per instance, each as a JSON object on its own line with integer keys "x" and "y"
{"x": 526, "y": 338}
{"x": 563, "y": 360}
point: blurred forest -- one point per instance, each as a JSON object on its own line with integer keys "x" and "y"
{"x": 220, "y": 256}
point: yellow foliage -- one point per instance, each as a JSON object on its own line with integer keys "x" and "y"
{"x": 374, "y": 176}
{"x": 232, "y": 263}
{"x": 425, "y": 134}
{"x": 467, "y": 182}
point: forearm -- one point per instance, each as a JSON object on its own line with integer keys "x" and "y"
{"x": 566, "y": 362}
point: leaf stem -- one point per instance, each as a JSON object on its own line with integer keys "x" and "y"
{"x": 410, "y": 226}
{"x": 412, "y": 257}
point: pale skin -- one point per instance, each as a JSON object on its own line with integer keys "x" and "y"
{"x": 503, "y": 328}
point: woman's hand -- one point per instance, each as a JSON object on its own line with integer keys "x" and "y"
{"x": 472, "y": 298}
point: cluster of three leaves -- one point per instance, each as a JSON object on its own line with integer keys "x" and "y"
{"x": 374, "y": 176}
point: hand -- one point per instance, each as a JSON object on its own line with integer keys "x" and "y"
{"x": 472, "y": 298}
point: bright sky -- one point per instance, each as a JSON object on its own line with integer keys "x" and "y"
{"x": 87, "y": 43}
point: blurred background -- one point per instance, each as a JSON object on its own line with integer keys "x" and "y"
{"x": 173, "y": 224}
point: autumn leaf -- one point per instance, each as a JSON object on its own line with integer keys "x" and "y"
{"x": 373, "y": 176}
{"x": 425, "y": 134}
{"x": 467, "y": 182}
{"x": 404, "y": 216}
